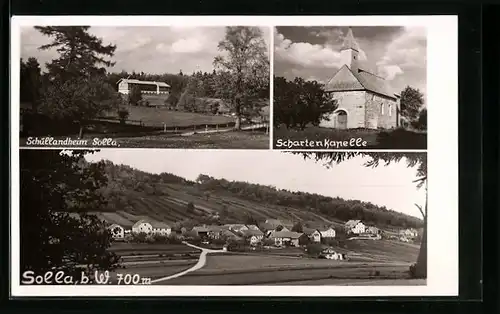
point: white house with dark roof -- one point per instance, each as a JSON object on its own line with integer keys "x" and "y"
{"x": 327, "y": 232}
{"x": 117, "y": 231}
{"x": 161, "y": 228}
{"x": 253, "y": 236}
{"x": 365, "y": 100}
{"x": 146, "y": 87}
{"x": 355, "y": 227}
{"x": 142, "y": 226}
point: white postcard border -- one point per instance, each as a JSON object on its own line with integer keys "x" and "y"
{"x": 442, "y": 86}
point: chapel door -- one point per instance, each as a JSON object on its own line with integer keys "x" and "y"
{"x": 341, "y": 120}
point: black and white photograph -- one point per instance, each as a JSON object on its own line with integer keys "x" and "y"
{"x": 234, "y": 156}
{"x": 159, "y": 217}
{"x": 350, "y": 87}
{"x": 140, "y": 86}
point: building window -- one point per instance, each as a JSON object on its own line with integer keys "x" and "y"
{"x": 390, "y": 110}
{"x": 382, "y": 108}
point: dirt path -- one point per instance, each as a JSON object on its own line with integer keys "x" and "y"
{"x": 201, "y": 262}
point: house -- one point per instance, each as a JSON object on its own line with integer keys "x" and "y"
{"x": 372, "y": 230}
{"x": 117, "y": 231}
{"x": 327, "y": 232}
{"x": 142, "y": 226}
{"x": 161, "y": 228}
{"x": 146, "y": 87}
{"x": 330, "y": 253}
{"x": 355, "y": 227}
{"x": 237, "y": 227}
{"x": 228, "y": 234}
{"x": 285, "y": 238}
{"x": 313, "y": 234}
{"x": 252, "y": 227}
{"x": 410, "y": 233}
{"x": 215, "y": 232}
{"x": 364, "y": 99}
{"x": 266, "y": 227}
{"x": 201, "y": 231}
{"x": 253, "y": 236}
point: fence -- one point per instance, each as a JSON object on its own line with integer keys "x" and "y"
{"x": 201, "y": 127}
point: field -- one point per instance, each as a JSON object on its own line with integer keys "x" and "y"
{"x": 172, "y": 208}
{"x": 224, "y": 140}
{"x": 159, "y": 116}
{"x": 153, "y": 260}
{"x": 390, "y": 139}
{"x": 381, "y": 262}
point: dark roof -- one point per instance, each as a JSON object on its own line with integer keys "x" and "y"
{"x": 347, "y": 80}
{"x": 285, "y": 234}
{"x": 308, "y": 231}
{"x": 266, "y": 226}
{"x": 251, "y": 232}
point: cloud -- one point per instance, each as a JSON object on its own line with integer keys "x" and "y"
{"x": 304, "y": 54}
{"x": 406, "y": 51}
{"x": 146, "y": 48}
{"x": 398, "y": 54}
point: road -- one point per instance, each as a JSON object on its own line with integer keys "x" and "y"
{"x": 201, "y": 262}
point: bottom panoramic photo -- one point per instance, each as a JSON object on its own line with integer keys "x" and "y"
{"x": 186, "y": 217}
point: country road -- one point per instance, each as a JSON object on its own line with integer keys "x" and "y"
{"x": 201, "y": 262}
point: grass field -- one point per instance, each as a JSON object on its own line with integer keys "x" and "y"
{"x": 224, "y": 140}
{"x": 159, "y": 116}
{"x": 262, "y": 270}
{"x": 157, "y": 139}
{"x": 172, "y": 208}
{"x": 390, "y": 139}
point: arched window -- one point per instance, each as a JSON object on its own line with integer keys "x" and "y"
{"x": 390, "y": 110}
{"x": 382, "y": 108}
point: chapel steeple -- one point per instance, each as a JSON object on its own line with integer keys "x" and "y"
{"x": 350, "y": 42}
{"x": 349, "y": 51}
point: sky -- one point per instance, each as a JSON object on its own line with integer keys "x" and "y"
{"x": 150, "y": 49}
{"x": 399, "y": 54}
{"x": 391, "y": 185}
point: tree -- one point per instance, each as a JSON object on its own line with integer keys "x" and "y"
{"x": 53, "y": 184}
{"x": 298, "y": 103}
{"x": 250, "y": 220}
{"x": 243, "y": 72}
{"x": 79, "y": 99}
{"x": 135, "y": 96}
{"x": 190, "y": 207}
{"x": 78, "y": 89}
{"x": 80, "y": 53}
{"x": 297, "y": 227}
{"x": 31, "y": 80}
{"x": 411, "y": 101}
{"x": 414, "y": 160}
{"x": 123, "y": 115}
{"x": 421, "y": 122}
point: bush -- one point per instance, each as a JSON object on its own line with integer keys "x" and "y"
{"x": 314, "y": 249}
{"x": 173, "y": 239}
{"x": 123, "y": 115}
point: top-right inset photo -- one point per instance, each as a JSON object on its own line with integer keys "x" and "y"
{"x": 350, "y": 88}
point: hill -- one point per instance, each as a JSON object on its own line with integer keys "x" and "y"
{"x": 133, "y": 194}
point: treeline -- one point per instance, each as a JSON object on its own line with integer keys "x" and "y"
{"x": 299, "y": 103}
{"x": 332, "y": 207}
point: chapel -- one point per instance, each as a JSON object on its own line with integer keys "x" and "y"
{"x": 365, "y": 100}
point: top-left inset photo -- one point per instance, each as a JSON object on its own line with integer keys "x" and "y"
{"x": 142, "y": 86}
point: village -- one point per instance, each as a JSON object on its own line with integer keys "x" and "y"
{"x": 268, "y": 235}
